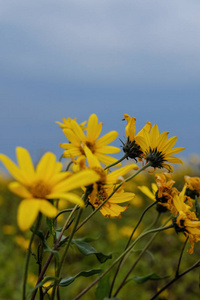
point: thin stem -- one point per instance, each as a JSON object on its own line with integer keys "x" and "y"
{"x": 128, "y": 243}
{"x": 181, "y": 254}
{"x": 54, "y": 248}
{"x": 65, "y": 252}
{"x": 138, "y": 259}
{"x": 119, "y": 258}
{"x": 115, "y": 189}
{"x": 116, "y": 162}
{"x": 196, "y": 265}
{"x": 28, "y": 256}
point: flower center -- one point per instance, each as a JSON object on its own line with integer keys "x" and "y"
{"x": 100, "y": 197}
{"x": 156, "y": 158}
{"x": 40, "y": 189}
{"x": 132, "y": 149}
{"x": 91, "y": 146}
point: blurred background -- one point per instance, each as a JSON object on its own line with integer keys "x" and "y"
{"x": 73, "y": 58}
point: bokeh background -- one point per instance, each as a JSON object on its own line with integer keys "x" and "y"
{"x": 109, "y": 57}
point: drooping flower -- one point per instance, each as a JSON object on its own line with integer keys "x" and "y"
{"x": 166, "y": 192}
{"x": 158, "y": 150}
{"x": 105, "y": 186}
{"x": 192, "y": 186}
{"x": 37, "y": 186}
{"x": 186, "y": 221}
{"x": 131, "y": 147}
{"x": 78, "y": 139}
{"x": 162, "y": 192}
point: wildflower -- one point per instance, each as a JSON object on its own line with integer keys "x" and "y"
{"x": 131, "y": 147}
{"x": 165, "y": 193}
{"x": 40, "y": 185}
{"x": 186, "y": 221}
{"x": 105, "y": 186}
{"x": 192, "y": 186}
{"x": 162, "y": 192}
{"x": 158, "y": 150}
{"x": 98, "y": 146}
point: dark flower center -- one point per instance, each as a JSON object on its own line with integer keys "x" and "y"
{"x": 132, "y": 149}
{"x": 156, "y": 158}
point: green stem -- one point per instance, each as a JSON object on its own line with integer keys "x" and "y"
{"x": 54, "y": 248}
{"x": 116, "y": 162}
{"x": 99, "y": 207}
{"x": 181, "y": 254}
{"x": 196, "y": 265}
{"x": 128, "y": 243}
{"x": 28, "y": 256}
{"x": 65, "y": 252}
{"x": 138, "y": 259}
{"x": 119, "y": 258}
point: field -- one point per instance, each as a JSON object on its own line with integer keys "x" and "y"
{"x": 108, "y": 236}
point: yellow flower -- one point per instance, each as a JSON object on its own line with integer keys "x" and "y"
{"x": 67, "y": 123}
{"x": 45, "y": 182}
{"x": 162, "y": 192}
{"x": 105, "y": 185}
{"x": 98, "y": 146}
{"x": 131, "y": 147}
{"x": 186, "y": 221}
{"x": 192, "y": 186}
{"x": 166, "y": 192}
{"x": 158, "y": 150}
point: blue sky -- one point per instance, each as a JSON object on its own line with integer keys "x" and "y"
{"x": 109, "y": 57}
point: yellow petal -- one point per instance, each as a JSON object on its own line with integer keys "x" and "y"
{"x": 93, "y": 128}
{"x": 112, "y": 211}
{"x": 92, "y": 160}
{"x": 47, "y": 208}
{"x": 12, "y": 168}
{"x": 19, "y": 190}
{"x": 25, "y": 163}
{"x": 76, "y": 128}
{"x": 27, "y": 212}
{"x": 106, "y": 159}
{"x": 145, "y": 190}
{"x": 121, "y": 197}
{"x": 175, "y": 150}
{"x": 154, "y": 134}
{"x": 108, "y": 149}
{"x": 115, "y": 175}
{"x": 169, "y": 144}
{"x": 83, "y": 178}
{"x": 71, "y": 197}
{"x": 71, "y": 136}
{"x": 147, "y": 127}
{"x": 46, "y": 166}
{"x": 106, "y": 139}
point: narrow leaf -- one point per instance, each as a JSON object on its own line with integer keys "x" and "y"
{"x": 152, "y": 276}
{"x": 69, "y": 280}
{"x": 87, "y": 249}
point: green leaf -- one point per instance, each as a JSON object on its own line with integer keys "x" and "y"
{"x": 48, "y": 249}
{"x": 152, "y": 276}
{"x": 103, "y": 288}
{"x": 69, "y": 280}
{"x": 87, "y": 249}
